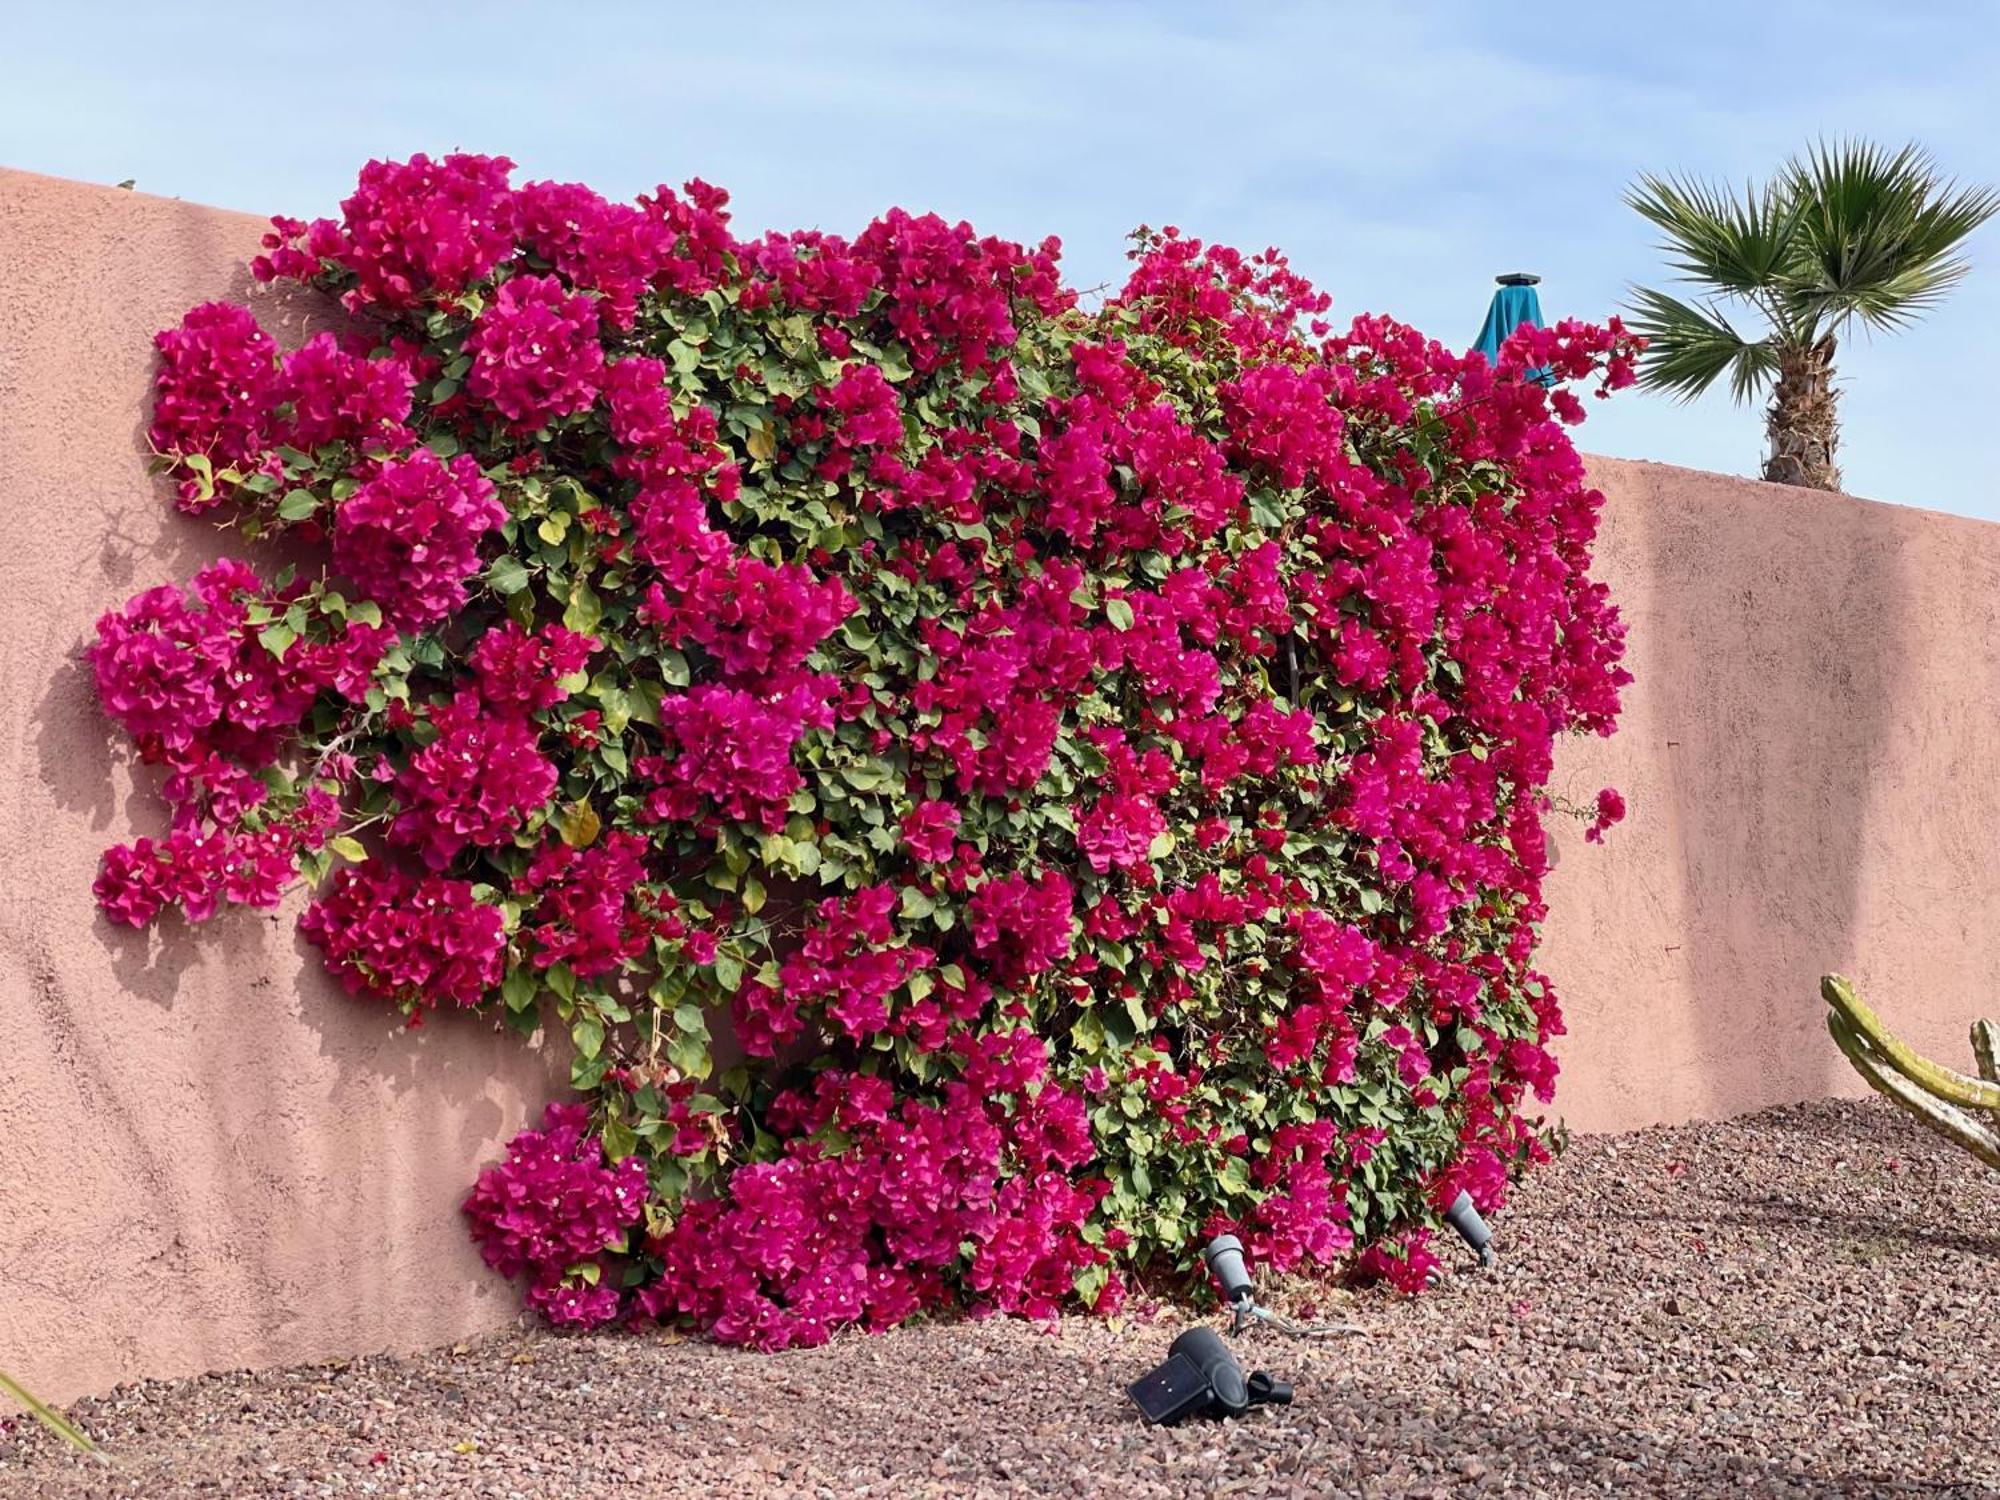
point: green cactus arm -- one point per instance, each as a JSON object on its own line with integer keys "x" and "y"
{"x": 1986, "y": 1050}
{"x": 1956, "y": 1088}
{"x": 49, "y": 1417}
{"x": 1953, "y": 1124}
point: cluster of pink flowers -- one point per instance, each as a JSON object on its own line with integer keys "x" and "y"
{"x": 1610, "y": 810}
{"x": 553, "y": 1209}
{"x": 476, "y": 783}
{"x": 409, "y": 538}
{"x": 196, "y": 869}
{"x": 850, "y": 962}
{"x": 1022, "y": 927}
{"x": 761, "y": 622}
{"x": 341, "y": 395}
{"x": 591, "y": 910}
{"x": 1407, "y": 1263}
{"x": 928, "y": 830}
{"x": 410, "y": 229}
{"x": 414, "y": 941}
{"x": 615, "y": 249}
{"x": 731, "y": 754}
{"x": 225, "y": 398}
{"x": 812, "y": 1242}
{"x": 161, "y": 663}
{"x": 948, "y": 294}
{"x": 214, "y": 393}
{"x": 521, "y": 672}
{"x": 535, "y": 352}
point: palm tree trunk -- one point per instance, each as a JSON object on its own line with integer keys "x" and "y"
{"x": 1803, "y": 424}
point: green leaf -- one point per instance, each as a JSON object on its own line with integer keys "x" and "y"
{"x": 520, "y": 987}
{"x": 1119, "y": 613}
{"x": 1137, "y": 1012}
{"x": 506, "y": 576}
{"x": 587, "y": 1031}
{"x": 297, "y": 505}
{"x": 619, "y": 1141}
{"x": 348, "y": 848}
{"x": 277, "y": 639}
{"x": 585, "y": 608}
{"x": 728, "y": 972}
{"x": 49, "y": 1417}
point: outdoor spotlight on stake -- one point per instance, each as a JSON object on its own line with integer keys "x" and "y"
{"x": 1463, "y": 1217}
{"x": 1200, "y": 1377}
{"x": 1224, "y": 1256}
{"x": 1226, "y": 1264}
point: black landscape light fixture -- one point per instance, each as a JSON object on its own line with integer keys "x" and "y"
{"x": 1201, "y": 1378}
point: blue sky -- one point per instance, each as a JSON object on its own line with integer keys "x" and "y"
{"x": 1402, "y": 153}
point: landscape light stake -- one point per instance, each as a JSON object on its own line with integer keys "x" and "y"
{"x": 1199, "y": 1376}
{"x": 1224, "y": 1257}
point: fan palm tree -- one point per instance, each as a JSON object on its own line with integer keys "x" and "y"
{"x": 1843, "y": 234}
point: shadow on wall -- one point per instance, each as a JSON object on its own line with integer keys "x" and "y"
{"x": 1778, "y": 698}
{"x": 1807, "y": 752}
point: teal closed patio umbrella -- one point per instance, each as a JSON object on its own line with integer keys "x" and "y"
{"x": 1514, "y": 304}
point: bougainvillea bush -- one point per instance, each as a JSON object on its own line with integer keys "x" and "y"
{"x": 991, "y": 789}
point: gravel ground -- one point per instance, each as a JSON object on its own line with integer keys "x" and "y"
{"x": 1804, "y": 1302}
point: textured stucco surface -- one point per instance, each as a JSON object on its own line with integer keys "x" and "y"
{"x": 210, "y": 1156}
{"x": 1809, "y": 757}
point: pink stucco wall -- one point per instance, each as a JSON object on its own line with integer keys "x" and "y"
{"x": 1810, "y": 758}
{"x": 209, "y": 1156}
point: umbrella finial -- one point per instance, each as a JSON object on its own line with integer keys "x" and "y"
{"x": 1518, "y": 278}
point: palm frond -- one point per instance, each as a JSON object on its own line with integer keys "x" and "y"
{"x": 1879, "y": 233}
{"x": 1689, "y": 348}
{"x": 1735, "y": 244}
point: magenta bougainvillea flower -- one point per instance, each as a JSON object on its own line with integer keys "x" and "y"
{"x": 535, "y": 352}
{"x": 416, "y": 941}
{"x": 990, "y": 789}
{"x": 408, "y": 538}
